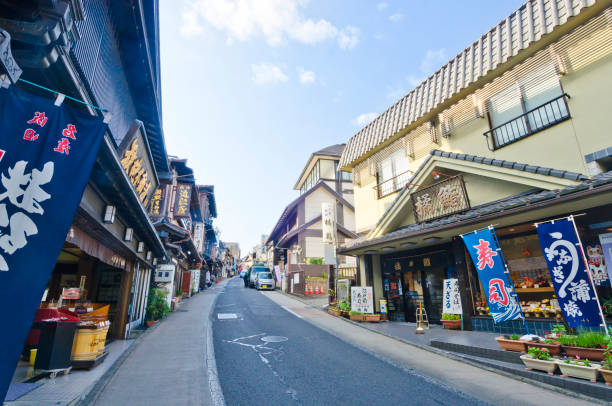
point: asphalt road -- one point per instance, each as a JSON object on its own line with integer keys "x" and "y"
{"x": 268, "y": 356}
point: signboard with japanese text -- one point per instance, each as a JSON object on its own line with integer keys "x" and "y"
{"x": 606, "y": 248}
{"x": 182, "y": 200}
{"x": 46, "y": 156}
{"x": 441, "y": 199}
{"x": 487, "y": 258}
{"x": 451, "y": 302}
{"x": 198, "y": 236}
{"x": 157, "y": 205}
{"x": 71, "y": 293}
{"x": 362, "y": 299}
{"x": 136, "y": 160}
{"x": 568, "y": 272}
{"x": 328, "y": 220}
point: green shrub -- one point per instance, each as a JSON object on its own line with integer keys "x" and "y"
{"x": 539, "y": 353}
{"x": 568, "y": 339}
{"x": 591, "y": 339}
{"x": 314, "y": 261}
{"x": 448, "y": 316}
{"x": 344, "y": 306}
{"x": 558, "y": 329}
{"x": 157, "y": 307}
{"x": 607, "y": 363}
{"x": 515, "y": 337}
{"x": 355, "y": 313}
{"x": 324, "y": 275}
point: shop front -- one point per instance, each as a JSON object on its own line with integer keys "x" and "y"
{"x": 410, "y": 278}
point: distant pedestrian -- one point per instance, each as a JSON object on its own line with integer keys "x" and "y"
{"x": 208, "y": 279}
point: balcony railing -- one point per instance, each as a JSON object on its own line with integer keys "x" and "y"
{"x": 393, "y": 184}
{"x": 537, "y": 119}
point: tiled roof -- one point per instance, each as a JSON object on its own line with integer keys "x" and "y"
{"x": 332, "y": 150}
{"x": 540, "y": 170}
{"x": 491, "y": 208}
{"x": 513, "y": 34}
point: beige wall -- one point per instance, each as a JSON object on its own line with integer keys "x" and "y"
{"x": 313, "y": 203}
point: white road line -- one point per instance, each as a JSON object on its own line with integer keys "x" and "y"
{"x": 292, "y": 312}
{"x": 211, "y": 364}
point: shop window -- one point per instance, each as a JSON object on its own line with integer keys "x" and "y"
{"x": 530, "y": 105}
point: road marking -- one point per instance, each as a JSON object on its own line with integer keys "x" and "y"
{"x": 214, "y": 385}
{"x": 226, "y": 316}
{"x": 273, "y": 339}
{"x": 292, "y": 312}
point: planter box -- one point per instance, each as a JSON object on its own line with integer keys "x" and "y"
{"x": 511, "y": 345}
{"x": 579, "y": 371}
{"x": 334, "y": 312}
{"x": 549, "y": 366}
{"x": 607, "y": 375}
{"x": 553, "y": 349}
{"x": 365, "y": 317}
{"x": 344, "y": 313}
{"x": 451, "y": 324}
{"x": 151, "y": 322}
{"x": 592, "y": 354}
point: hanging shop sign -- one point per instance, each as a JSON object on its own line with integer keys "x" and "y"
{"x": 71, "y": 293}
{"x": 182, "y": 200}
{"x": 328, "y": 219}
{"x": 488, "y": 260}
{"x": 596, "y": 263}
{"x": 451, "y": 302}
{"x": 362, "y": 299}
{"x": 564, "y": 256}
{"x": 198, "y": 236}
{"x": 137, "y": 162}
{"x": 157, "y": 206}
{"x": 441, "y": 199}
{"x": 46, "y": 156}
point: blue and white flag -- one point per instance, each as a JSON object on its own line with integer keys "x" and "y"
{"x": 487, "y": 258}
{"x": 46, "y": 156}
{"x": 568, "y": 272}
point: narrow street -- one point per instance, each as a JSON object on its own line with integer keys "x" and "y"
{"x": 268, "y": 356}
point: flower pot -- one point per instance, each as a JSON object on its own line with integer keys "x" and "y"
{"x": 607, "y": 375}
{"x": 334, "y": 312}
{"x": 578, "y": 371}
{"x": 548, "y": 366}
{"x": 553, "y": 349}
{"x": 151, "y": 322}
{"x": 451, "y": 324}
{"x": 344, "y": 313}
{"x": 511, "y": 345}
{"x": 592, "y": 354}
{"x": 357, "y": 317}
{"x": 373, "y": 318}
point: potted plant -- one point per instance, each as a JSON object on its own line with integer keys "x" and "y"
{"x": 606, "y": 367}
{"x": 552, "y": 346}
{"x": 540, "y": 359}
{"x": 179, "y": 295}
{"x": 356, "y": 316}
{"x": 157, "y": 307}
{"x": 344, "y": 308}
{"x": 557, "y": 331}
{"x": 511, "y": 343}
{"x": 451, "y": 321}
{"x": 334, "y": 310}
{"x": 372, "y": 318}
{"x": 578, "y": 368}
{"x": 587, "y": 344}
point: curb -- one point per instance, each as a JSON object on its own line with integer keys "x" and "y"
{"x": 481, "y": 366}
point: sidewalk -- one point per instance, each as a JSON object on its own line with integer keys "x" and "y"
{"x": 171, "y": 365}
{"x": 397, "y": 343}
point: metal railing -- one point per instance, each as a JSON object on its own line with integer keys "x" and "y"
{"x": 393, "y": 184}
{"x": 531, "y": 122}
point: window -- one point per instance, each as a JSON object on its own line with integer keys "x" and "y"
{"x": 532, "y": 104}
{"x": 393, "y": 172}
{"x": 313, "y": 177}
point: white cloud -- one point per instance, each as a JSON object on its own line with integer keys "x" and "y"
{"x": 306, "y": 76}
{"x": 266, "y": 73}
{"x": 434, "y": 59}
{"x": 396, "y": 17}
{"x": 365, "y": 118}
{"x": 277, "y": 21}
{"x": 348, "y": 37}
{"x": 381, "y": 6}
{"x": 395, "y": 93}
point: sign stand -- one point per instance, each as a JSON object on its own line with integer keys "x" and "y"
{"x": 507, "y": 272}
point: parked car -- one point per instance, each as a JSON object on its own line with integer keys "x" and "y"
{"x": 264, "y": 280}
{"x": 253, "y": 274}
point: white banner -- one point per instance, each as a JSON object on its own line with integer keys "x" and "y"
{"x": 451, "y": 302}
{"x": 362, "y": 299}
{"x": 328, "y": 218}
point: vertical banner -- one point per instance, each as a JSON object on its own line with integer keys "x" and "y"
{"x": 570, "y": 277}
{"x": 451, "y": 303}
{"x": 488, "y": 260}
{"x": 606, "y": 248}
{"x": 328, "y": 221}
{"x": 46, "y": 156}
{"x": 182, "y": 200}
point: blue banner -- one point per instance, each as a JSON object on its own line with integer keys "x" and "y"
{"x": 46, "y": 156}
{"x": 568, "y": 272}
{"x": 487, "y": 258}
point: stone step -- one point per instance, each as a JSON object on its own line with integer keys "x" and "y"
{"x": 495, "y": 354}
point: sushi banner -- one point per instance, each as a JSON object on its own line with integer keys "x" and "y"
{"x": 46, "y": 156}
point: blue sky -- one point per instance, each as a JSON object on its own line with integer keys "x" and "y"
{"x": 251, "y": 88}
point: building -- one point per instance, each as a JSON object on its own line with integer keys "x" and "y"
{"x": 209, "y": 213}
{"x": 297, "y": 235}
{"x": 112, "y": 246}
{"x": 509, "y": 132}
